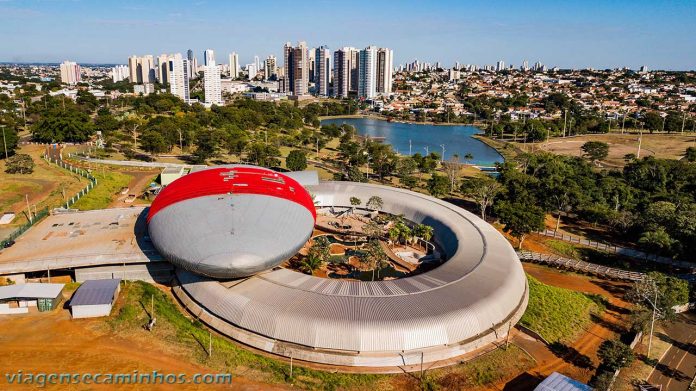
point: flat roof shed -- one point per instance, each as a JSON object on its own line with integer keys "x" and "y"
{"x": 95, "y": 298}
{"x": 558, "y": 382}
{"x": 44, "y": 296}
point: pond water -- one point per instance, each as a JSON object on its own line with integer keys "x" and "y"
{"x": 421, "y": 137}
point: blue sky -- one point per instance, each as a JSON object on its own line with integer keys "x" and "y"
{"x": 600, "y": 34}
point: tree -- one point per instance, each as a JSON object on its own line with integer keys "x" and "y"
{"x": 452, "y": 169}
{"x": 468, "y": 157}
{"x": 320, "y": 250}
{"x": 153, "y": 142}
{"x": 595, "y": 150}
{"x": 296, "y": 160}
{"x": 310, "y": 263}
{"x": 520, "y": 219}
{"x": 615, "y": 354}
{"x": 375, "y": 203}
{"x": 19, "y": 164}
{"x": 409, "y": 181}
{"x": 657, "y": 241}
{"x": 690, "y": 154}
{"x": 483, "y": 190}
{"x": 375, "y": 257}
{"x": 68, "y": 125}
{"x": 438, "y": 185}
{"x": 10, "y": 141}
{"x": 354, "y": 201}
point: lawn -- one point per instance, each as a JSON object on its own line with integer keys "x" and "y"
{"x": 558, "y": 314}
{"x": 108, "y": 184}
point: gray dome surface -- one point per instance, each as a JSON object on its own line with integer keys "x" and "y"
{"x": 230, "y": 235}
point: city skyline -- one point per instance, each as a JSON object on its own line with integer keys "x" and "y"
{"x": 569, "y": 35}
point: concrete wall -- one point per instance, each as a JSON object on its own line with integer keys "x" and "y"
{"x": 149, "y": 272}
{"x": 90, "y": 311}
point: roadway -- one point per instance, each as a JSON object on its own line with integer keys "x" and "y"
{"x": 678, "y": 365}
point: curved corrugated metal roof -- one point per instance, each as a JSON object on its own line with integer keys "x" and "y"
{"x": 481, "y": 286}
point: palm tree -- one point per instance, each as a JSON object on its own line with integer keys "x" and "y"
{"x": 310, "y": 263}
{"x": 468, "y": 157}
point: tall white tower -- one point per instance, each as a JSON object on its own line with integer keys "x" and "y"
{"x": 234, "y": 65}
{"x": 211, "y": 84}
{"x": 367, "y": 72}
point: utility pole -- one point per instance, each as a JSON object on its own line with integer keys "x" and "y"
{"x": 4, "y": 141}
{"x": 409, "y": 147}
{"x": 640, "y": 141}
{"x": 663, "y": 123}
{"x": 31, "y": 220}
{"x": 652, "y": 323}
{"x": 683, "y": 123}
{"x": 565, "y": 120}
{"x": 442, "y": 159}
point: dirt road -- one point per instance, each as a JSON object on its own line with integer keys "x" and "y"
{"x": 53, "y": 343}
{"x": 579, "y": 360}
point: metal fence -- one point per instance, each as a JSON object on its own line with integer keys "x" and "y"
{"x": 45, "y": 211}
{"x": 580, "y": 266}
{"x": 612, "y": 248}
{"x": 38, "y": 216}
{"x": 76, "y": 170}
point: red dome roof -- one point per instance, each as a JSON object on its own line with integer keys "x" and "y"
{"x": 232, "y": 180}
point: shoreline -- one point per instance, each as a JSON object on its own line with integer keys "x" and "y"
{"x": 400, "y": 121}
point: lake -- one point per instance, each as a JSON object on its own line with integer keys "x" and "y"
{"x": 456, "y": 138}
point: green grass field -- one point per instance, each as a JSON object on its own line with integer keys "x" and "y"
{"x": 108, "y": 184}
{"x": 558, "y": 314}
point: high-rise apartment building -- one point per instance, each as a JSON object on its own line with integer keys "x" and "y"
{"x": 234, "y": 65}
{"x": 385, "y": 67}
{"x": 251, "y": 71}
{"x": 70, "y": 73}
{"x": 208, "y": 57}
{"x": 499, "y": 66}
{"x": 345, "y": 72}
{"x": 257, "y": 62}
{"x": 141, "y": 69}
{"x": 119, "y": 73}
{"x": 211, "y": 84}
{"x": 322, "y": 73}
{"x": 269, "y": 67}
{"x": 163, "y": 68}
{"x": 179, "y": 77}
{"x": 367, "y": 70}
{"x": 311, "y": 65}
{"x": 296, "y": 78}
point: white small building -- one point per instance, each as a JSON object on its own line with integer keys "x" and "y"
{"x": 94, "y": 298}
{"x": 16, "y": 299}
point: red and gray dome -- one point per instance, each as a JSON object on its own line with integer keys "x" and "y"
{"x": 230, "y": 222}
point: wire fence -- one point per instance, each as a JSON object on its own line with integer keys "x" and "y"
{"x": 38, "y": 216}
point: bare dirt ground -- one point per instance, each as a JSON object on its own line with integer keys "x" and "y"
{"x": 53, "y": 343}
{"x": 579, "y": 360}
{"x": 668, "y": 146}
{"x": 141, "y": 179}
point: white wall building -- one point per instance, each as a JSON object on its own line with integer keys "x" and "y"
{"x": 179, "y": 83}
{"x": 119, "y": 73}
{"x": 367, "y": 71}
{"x": 70, "y": 73}
{"x": 208, "y": 57}
{"x": 94, "y": 298}
{"x": 211, "y": 84}
{"x": 322, "y": 67}
{"x": 234, "y": 65}
{"x": 385, "y": 68}
{"x": 251, "y": 71}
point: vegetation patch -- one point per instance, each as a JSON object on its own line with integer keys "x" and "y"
{"x": 191, "y": 337}
{"x": 557, "y": 314}
{"x": 108, "y": 184}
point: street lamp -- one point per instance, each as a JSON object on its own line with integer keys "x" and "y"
{"x": 367, "y": 166}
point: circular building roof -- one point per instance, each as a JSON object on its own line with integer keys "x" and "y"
{"x": 468, "y": 302}
{"x": 230, "y": 222}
